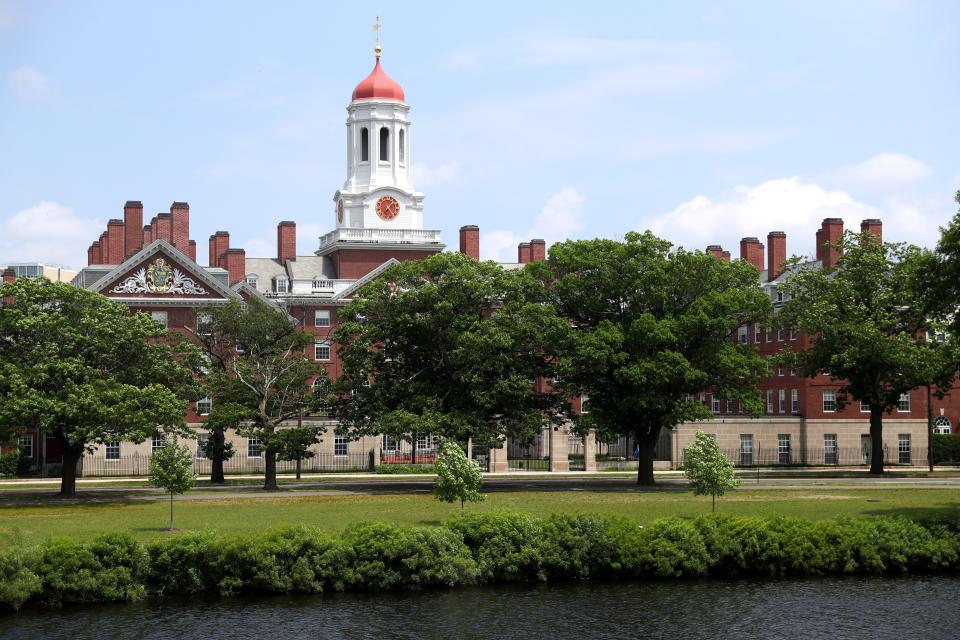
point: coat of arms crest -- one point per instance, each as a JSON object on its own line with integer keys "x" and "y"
{"x": 159, "y": 276}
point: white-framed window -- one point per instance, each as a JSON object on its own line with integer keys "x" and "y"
{"x": 584, "y": 403}
{"x": 903, "y": 405}
{"x": 715, "y": 403}
{"x": 794, "y": 401}
{"x": 742, "y": 336}
{"x": 783, "y": 448}
{"x": 793, "y": 334}
{"x": 423, "y": 441}
{"x": 864, "y": 407}
{"x": 156, "y": 443}
{"x": 254, "y": 448}
{"x": 321, "y": 350}
{"x": 202, "y": 439}
{"x": 204, "y": 406}
{"x": 703, "y": 397}
{"x": 769, "y": 400}
{"x": 903, "y": 448}
{"x": 780, "y": 371}
{"x": 757, "y": 330}
{"x": 746, "y": 448}
{"x": 111, "y": 450}
{"x": 160, "y": 317}
{"x": 25, "y": 444}
{"x": 829, "y": 401}
{"x": 204, "y": 323}
{"x": 390, "y": 444}
{"x": 730, "y": 406}
{"x": 782, "y": 397}
{"x": 281, "y": 284}
{"x": 340, "y": 445}
{"x": 781, "y": 334}
{"x": 321, "y": 318}
{"x": 769, "y": 335}
{"x": 829, "y": 448}
{"x": 779, "y": 296}
{"x": 793, "y": 372}
{"x": 940, "y": 426}
{"x": 252, "y": 281}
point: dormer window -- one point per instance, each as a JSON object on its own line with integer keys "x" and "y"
{"x": 281, "y": 284}
{"x": 252, "y": 281}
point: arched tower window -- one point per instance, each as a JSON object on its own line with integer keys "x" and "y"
{"x": 941, "y": 425}
{"x": 364, "y": 145}
{"x": 402, "y": 140}
{"x": 384, "y": 144}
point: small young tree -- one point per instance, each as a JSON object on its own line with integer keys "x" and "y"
{"x": 171, "y": 470}
{"x": 458, "y": 477}
{"x": 295, "y": 443}
{"x": 707, "y": 469}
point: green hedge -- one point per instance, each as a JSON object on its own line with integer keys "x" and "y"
{"x": 394, "y": 468}
{"x": 470, "y": 549}
{"x": 946, "y": 448}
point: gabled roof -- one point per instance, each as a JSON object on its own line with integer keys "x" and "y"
{"x": 243, "y": 289}
{"x": 356, "y": 286}
{"x": 215, "y": 290}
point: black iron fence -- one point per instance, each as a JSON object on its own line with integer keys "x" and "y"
{"x": 822, "y": 456}
{"x": 138, "y": 464}
{"x": 528, "y": 464}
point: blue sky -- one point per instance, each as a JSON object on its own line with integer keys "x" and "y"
{"x": 702, "y": 121}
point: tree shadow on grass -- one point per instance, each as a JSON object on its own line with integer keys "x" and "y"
{"x": 947, "y": 514}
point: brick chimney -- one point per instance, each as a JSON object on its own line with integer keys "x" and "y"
{"x": 132, "y": 224}
{"x": 164, "y": 230}
{"x": 523, "y": 252}
{"x": 147, "y": 234}
{"x": 93, "y": 253}
{"x": 235, "y": 262}
{"x": 192, "y": 250}
{"x": 104, "y": 248}
{"x": 9, "y": 275}
{"x": 538, "y": 250}
{"x": 470, "y": 241}
{"x": 115, "y": 232}
{"x": 180, "y": 226}
{"x": 286, "y": 241}
{"x": 751, "y": 250}
{"x": 830, "y": 232}
{"x": 776, "y": 254}
{"x": 154, "y": 234}
{"x": 717, "y": 252}
{"x": 874, "y": 226}
{"x": 220, "y": 242}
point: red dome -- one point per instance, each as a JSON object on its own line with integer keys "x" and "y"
{"x": 378, "y": 85}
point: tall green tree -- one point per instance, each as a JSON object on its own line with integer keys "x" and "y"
{"x": 458, "y": 477}
{"x": 650, "y": 327}
{"x": 866, "y": 321}
{"x": 171, "y": 469}
{"x": 221, "y": 419}
{"x": 449, "y": 346}
{"x": 259, "y": 376}
{"x": 84, "y": 371}
{"x": 707, "y": 469}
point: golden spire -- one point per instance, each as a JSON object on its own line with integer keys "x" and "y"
{"x": 376, "y": 28}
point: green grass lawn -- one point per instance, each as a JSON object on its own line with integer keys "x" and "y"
{"x": 28, "y": 524}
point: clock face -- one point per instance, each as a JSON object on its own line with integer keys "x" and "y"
{"x": 340, "y": 210}
{"x": 387, "y": 207}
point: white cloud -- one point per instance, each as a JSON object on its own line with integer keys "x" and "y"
{"x": 424, "y": 175}
{"x": 30, "y": 84}
{"x": 8, "y": 14}
{"x": 558, "y": 220}
{"x": 48, "y": 232}
{"x": 882, "y": 172}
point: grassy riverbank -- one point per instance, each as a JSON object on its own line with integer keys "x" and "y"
{"x": 145, "y": 517}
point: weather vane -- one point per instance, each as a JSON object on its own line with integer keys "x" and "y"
{"x": 376, "y": 28}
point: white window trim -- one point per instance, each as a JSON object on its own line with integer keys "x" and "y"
{"x": 317, "y": 318}
{"x": 322, "y": 343}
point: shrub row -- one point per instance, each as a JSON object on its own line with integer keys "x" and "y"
{"x": 396, "y": 467}
{"x": 468, "y": 550}
{"x": 946, "y": 448}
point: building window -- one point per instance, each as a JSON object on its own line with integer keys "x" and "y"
{"x": 793, "y": 334}
{"x": 903, "y": 448}
{"x": 714, "y": 403}
{"x": 783, "y": 400}
{"x": 204, "y": 406}
{"x": 25, "y": 444}
{"x": 830, "y": 448}
{"x": 903, "y": 405}
{"x": 769, "y": 335}
{"x": 756, "y": 332}
{"x": 364, "y": 145}
{"x": 204, "y": 324}
{"x": 783, "y": 448}
{"x": 746, "y": 449}
{"x": 941, "y": 426}
{"x": 160, "y": 317}
{"x": 202, "y": 439}
{"x": 780, "y": 371}
{"x": 252, "y": 281}
{"x": 742, "y": 337}
{"x": 829, "y": 401}
{"x": 729, "y": 406}
{"x": 384, "y": 144}
{"x": 780, "y": 334}
{"x": 402, "y": 140}
{"x": 321, "y": 318}
{"x": 769, "y": 400}
{"x": 111, "y": 450}
{"x": 156, "y": 443}
{"x": 339, "y": 445}
{"x": 390, "y": 444}
{"x": 280, "y": 284}
{"x": 864, "y": 407}
{"x": 423, "y": 441}
{"x": 584, "y": 403}
{"x": 794, "y": 402}
{"x": 321, "y": 350}
{"x": 254, "y": 447}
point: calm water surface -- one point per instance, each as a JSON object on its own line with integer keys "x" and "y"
{"x": 872, "y": 608}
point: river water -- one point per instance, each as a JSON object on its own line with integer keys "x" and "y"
{"x": 836, "y": 608}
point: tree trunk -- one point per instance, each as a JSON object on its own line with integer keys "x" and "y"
{"x": 298, "y": 467}
{"x": 713, "y": 504}
{"x": 876, "y": 439}
{"x": 930, "y": 427}
{"x": 68, "y": 475}
{"x": 270, "y": 471}
{"x": 413, "y": 449}
{"x": 645, "y": 460}
{"x": 171, "y": 511}
{"x": 216, "y": 472}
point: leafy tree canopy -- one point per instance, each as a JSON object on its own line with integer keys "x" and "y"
{"x": 707, "y": 469}
{"x": 458, "y": 477}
